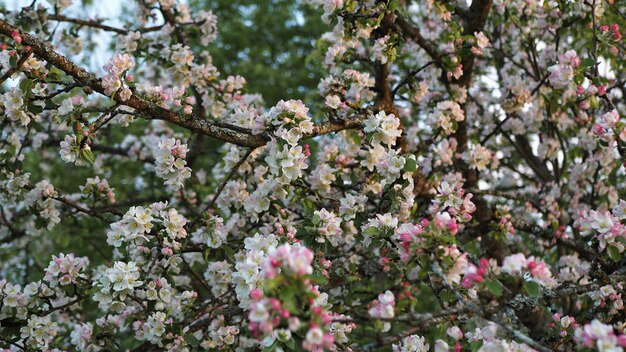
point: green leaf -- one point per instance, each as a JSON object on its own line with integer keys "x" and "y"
{"x": 393, "y": 5}
{"x": 26, "y": 86}
{"x": 410, "y": 165}
{"x": 588, "y": 62}
{"x": 308, "y": 205}
{"x": 87, "y": 155}
{"x": 315, "y": 219}
{"x": 318, "y": 279}
{"x": 495, "y": 287}
{"x": 228, "y": 251}
{"x": 192, "y": 340}
{"x": 371, "y": 231}
{"x": 12, "y": 149}
{"x": 614, "y": 253}
{"x": 475, "y": 346}
{"x": 594, "y": 103}
{"x": 13, "y": 61}
{"x": 35, "y": 109}
{"x": 291, "y": 344}
{"x": 288, "y": 299}
{"x": 532, "y": 288}
{"x": 54, "y": 74}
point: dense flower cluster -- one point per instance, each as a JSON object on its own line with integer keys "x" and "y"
{"x": 98, "y": 189}
{"x": 602, "y": 337}
{"x": 452, "y": 183}
{"x": 529, "y": 268}
{"x": 65, "y": 269}
{"x": 562, "y": 74}
{"x": 605, "y": 227}
{"x": 384, "y": 306}
{"x": 114, "y": 81}
{"x": 413, "y": 343}
{"x": 170, "y": 164}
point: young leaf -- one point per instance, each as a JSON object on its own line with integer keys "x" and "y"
{"x": 495, "y": 287}
{"x": 614, "y": 253}
{"x": 532, "y": 288}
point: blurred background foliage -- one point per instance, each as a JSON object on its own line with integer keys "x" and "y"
{"x": 269, "y": 42}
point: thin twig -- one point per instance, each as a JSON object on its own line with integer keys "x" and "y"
{"x": 221, "y": 187}
{"x": 17, "y": 67}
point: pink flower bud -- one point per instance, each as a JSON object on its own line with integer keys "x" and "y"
{"x": 275, "y": 303}
{"x": 598, "y": 130}
{"x": 329, "y": 340}
{"x": 274, "y": 262}
{"x": 585, "y": 104}
{"x": 621, "y": 340}
{"x": 326, "y": 318}
{"x": 256, "y": 294}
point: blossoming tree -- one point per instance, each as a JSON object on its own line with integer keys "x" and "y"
{"x": 457, "y": 188}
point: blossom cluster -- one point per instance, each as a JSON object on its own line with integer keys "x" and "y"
{"x": 605, "y": 227}
{"x": 562, "y": 74}
{"x": 114, "y": 82}
{"x": 65, "y": 270}
{"x": 599, "y": 336}
{"x": 457, "y": 166}
{"x": 170, "y": 164}
{"x": 384, "y": 306}
{"x": 530, "y": 268}
{"x": 99, "y": 189}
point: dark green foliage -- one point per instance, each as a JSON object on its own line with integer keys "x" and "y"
{"x": 267, "y": 42}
